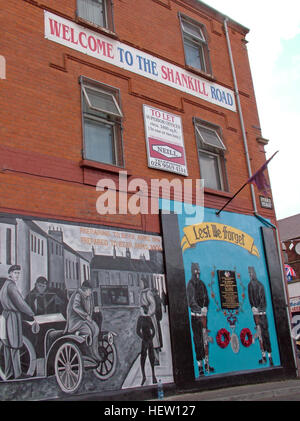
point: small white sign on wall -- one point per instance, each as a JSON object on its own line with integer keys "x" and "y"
{"x": 164, "y": 140}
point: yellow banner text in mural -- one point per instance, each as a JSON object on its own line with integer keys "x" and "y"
{"x": 210, "y": 231}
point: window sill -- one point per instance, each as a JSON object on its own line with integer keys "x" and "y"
{"x": 219, "y": 193}
{"x": 85, "y": 163}
{"x": 200, "y": 73}
{"x": 96, "y": 28}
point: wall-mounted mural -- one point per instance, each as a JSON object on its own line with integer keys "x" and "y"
{"x": 228, "y": 293}
{"x": 83, "y": 309}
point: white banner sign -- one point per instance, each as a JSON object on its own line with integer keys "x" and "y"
{"x": 74, "y": 36}
{"x": 164, "y": 139}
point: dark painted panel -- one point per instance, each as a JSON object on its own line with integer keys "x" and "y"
{"x": 278, "y": 298}
{"x": 178, "y": 308}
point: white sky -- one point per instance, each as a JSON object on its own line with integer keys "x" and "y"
{"x": 274, "y": 53}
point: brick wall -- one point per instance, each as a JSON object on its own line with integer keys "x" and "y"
{"x": 41, "y": 127}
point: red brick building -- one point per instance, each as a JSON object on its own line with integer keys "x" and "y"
{"x": 289, "y": 229}
{"x": 86, "y": 86}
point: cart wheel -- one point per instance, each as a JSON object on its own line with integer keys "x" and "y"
{"x": 68, "y": 367}
{"x": 27, "y": 357}
{"x": 108, "y": 354}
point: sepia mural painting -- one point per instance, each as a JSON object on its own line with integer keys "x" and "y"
{"x": 83, "y": 309}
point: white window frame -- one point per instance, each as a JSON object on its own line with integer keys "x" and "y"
{"x": 113, "y": 119}
{"x": 219, "y": 174}
{"x": 200, "y": 41}
{"x": 206, "y": 148}
{"x": 114, "y": 141}
{"x": 204, "y": 140}
{"x": 107, "y": 22}
{"x": 84, "y": 87}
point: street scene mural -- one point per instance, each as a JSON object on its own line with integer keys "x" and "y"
{"x": 228, "y": 293}
{"x": 83, "y": 309}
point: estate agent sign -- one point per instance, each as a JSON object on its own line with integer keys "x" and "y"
{"x": 164, "y": 140}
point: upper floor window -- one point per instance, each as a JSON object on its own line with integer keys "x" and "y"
{"x": 195, "y": 45}
{"x": 97, "y": 12}
{"x": 211, "y": 150}
{"x": 102, "y": 118}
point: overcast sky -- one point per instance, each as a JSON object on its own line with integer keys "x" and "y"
{"x": 274, "y": 53}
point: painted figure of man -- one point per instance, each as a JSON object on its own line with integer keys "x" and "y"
{"x": 147, "y": 299}
{"x": 42, "y": 300}
{"x": 145, "y": 330}
{"x": 14, "y": 306}
{"x": 80, "y": 311}
{"x": 257, "y": 299}
{"x": 198, "y": 301}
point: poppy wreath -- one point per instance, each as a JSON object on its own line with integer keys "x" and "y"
{"x": 223, "y": 338}
{"x": 246, "y": 337}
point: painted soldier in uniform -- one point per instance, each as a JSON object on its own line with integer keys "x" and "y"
{"x": 198, "y": 302}
{"x": 14, "y": 306}
{"x": 257, "y": 299}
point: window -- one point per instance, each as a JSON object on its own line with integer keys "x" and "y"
{"x": 96, "y": 12}
{"x": 195, "y": 45}
{"x": 211, "y": 150}
{"x": 130, "y": 279}
{"x": 102, "y": 118}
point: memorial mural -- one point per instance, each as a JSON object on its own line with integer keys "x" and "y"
{"x": 83, "y": 309}
{"x": 228, "y": 293}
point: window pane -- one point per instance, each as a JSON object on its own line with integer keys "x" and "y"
{"x": 99, "y": 142}
{"x": 210, "y": 137}
{"x": 102, "y": 101}
{"x": 194, "y": 30}
{"x": 194, "y": 55}
{"x": 92, "y": 11}
{"x": 209, "y": 169}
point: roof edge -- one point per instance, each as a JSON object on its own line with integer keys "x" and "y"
{"x": 217, "y": 15}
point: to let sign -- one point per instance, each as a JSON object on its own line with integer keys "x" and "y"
{"x": 164, "y": 140}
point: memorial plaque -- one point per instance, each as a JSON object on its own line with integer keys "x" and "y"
{"x": 228, "y": 290}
